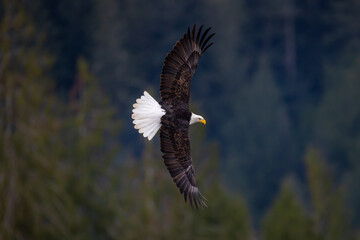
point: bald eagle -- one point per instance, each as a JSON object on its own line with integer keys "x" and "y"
{"x": 172, "y": 115}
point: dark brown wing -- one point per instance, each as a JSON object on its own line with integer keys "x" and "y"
{"x": 175, "y": 145}
{"x": 179, "y": 68}
{"x": 180, "y": 65}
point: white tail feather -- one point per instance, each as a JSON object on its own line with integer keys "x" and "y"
{"x": 147, "y": 114}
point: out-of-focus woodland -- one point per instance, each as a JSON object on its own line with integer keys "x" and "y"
{"x": 280, "y": 89}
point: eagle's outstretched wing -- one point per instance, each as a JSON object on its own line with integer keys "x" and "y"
{"x": 180, "y": 64}
{"x": 175, "y": 145}
{"x": 179, "y": 68}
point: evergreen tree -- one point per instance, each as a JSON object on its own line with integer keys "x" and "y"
{"x": 31, "y": 185}
{"x": 89, "y": 136}
{"x": 227, "y": 215}
{"x": 330, "y": 216}
{"x": 260, "y": 128}
{"x": 287, "y": 218}
{"x": 338, "y": 127}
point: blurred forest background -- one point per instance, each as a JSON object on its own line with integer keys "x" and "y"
{"x": 278, "y": 159}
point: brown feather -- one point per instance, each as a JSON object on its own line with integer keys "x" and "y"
{"x": 198, "y": 35}
{"x": 181, "y": 63}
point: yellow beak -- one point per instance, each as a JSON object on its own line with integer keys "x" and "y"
{"x": 203, "y": 121}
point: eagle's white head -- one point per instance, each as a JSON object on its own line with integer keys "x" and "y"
{"x": 196, "y": 118}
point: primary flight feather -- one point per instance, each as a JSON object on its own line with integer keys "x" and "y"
{"x": 172, "y": 115}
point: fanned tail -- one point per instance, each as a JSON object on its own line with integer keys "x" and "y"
{"x": 147, "y": 115}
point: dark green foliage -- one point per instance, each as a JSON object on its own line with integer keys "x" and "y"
{"x": 287, "y": 219}
{"x": 89, "y": 150}
{"x": 331, "y": 220}
{"x": 328, "y": 217}
{"x": 31, "y": 202}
